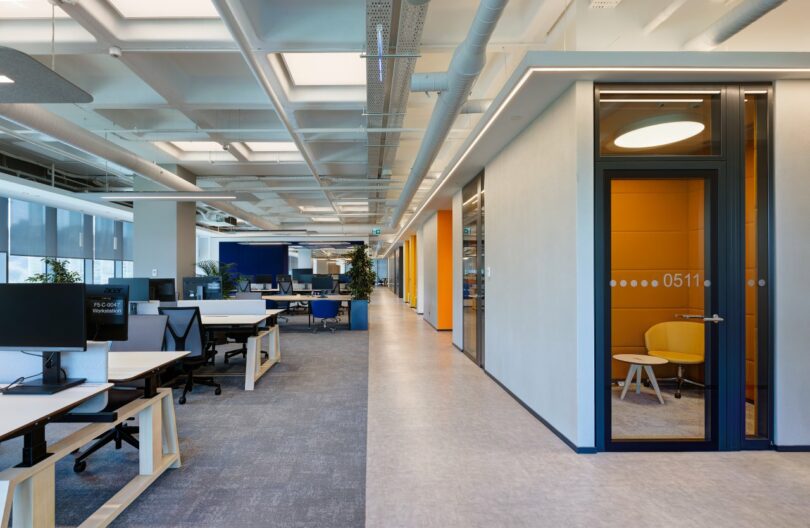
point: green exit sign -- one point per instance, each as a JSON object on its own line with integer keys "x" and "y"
{"x": 468, "y": 230}
{"x": 376, "y": 231}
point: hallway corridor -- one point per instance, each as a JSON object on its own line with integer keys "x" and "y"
{"x": 448, "y": 447}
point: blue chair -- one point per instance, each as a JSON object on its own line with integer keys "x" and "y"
{"x": 325, "y": 311}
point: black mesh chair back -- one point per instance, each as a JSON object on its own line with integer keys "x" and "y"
{"x": 184, "y": 331}
{"x": 285, "y": 288}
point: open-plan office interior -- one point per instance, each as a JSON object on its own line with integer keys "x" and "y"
{"x": 404, "y": 263}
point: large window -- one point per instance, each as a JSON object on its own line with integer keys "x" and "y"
{"x": 22, "y": 267}
{"x": 103, "y": 270}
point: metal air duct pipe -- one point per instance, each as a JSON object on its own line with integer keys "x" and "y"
{"x": 468, "y": 61}
{"x": 732, "y": 23}
{"x": 41, "y": 120}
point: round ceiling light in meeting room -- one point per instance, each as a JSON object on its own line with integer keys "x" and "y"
{"x": 658, "y": 131}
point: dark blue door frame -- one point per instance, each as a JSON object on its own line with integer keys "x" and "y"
{"x": 725, "y": 373}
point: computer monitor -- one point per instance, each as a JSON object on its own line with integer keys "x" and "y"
{"x": 297, "y": 272}
{"x": 281, "y": 277}
{"x": 305, "y": 278}
{"x": 139, "y": 287}
{"x": 162, "y": 290}
{"x": 45, "y": 319}
{"x": 263, "y": 279}
{"x": 202, "y": 288}
{"x": 343, "y": 278}
{"x": 106, "y": 312}
{"x": 322, "y": 282}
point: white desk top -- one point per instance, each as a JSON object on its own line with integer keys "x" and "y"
{"x": 19, "y": 411}
{"x": 306, "y": 298}
{"x": 274, "y": 311}
{"x": 127, "y": 366}
{"x": 233, "y": 320}
{"x": 640, "y": 359}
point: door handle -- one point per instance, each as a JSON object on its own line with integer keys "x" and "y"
{"x": 713, "y": 319}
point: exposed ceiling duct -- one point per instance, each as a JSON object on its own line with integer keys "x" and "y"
{"x": 467, "y": 62}
{"x": 732, "y": 23}
{"x": 41, "y": 120}
{"x": 393, "y": 37}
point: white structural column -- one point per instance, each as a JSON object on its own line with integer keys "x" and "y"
{"x": 792, "y": 252}
{"x": 164, "y": 242}
{"x": 304, "y": 258}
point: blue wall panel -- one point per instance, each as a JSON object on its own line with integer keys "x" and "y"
{"x": 255, "y": 260}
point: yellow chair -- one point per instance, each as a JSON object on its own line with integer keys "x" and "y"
{"x": 679, "y": 342}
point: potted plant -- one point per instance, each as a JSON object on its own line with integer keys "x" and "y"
{"x": 57, "y": 272}
{"x": 361, "y": 284}
{"x": 230, "y": 279}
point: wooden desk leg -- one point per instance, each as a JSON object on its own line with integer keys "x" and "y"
{"x": 150, "y": 438}
{"x": 35, "y": 500}
{"x": 171, "y": 444}
{"x": 6, "y": 498}
{"x": 252, "y": 359}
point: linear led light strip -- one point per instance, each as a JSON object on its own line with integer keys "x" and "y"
{"x": 565, "y": 69}
{"x": 5, "y": 79}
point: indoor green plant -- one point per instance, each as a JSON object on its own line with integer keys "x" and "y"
{"x": 223, "y": 270}
{"x": 361, "y": 283}
{"x": 56, "y": 271}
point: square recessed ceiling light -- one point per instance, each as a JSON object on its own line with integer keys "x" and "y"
{"x": 325, "y": 219}
{"x": 165, "y": 8}
{"x": 272, "y": 146}
{"x": 326, "y": 69}
{"x": 5, "y": 79}
{"x": 197, "y": 146}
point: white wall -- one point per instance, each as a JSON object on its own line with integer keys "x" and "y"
{"x": 458, "y": 271}
{"x": 430, "y": 239}
{"x": 420, "y": 271}
{"x": 792, "y": 252}
{"x": 539, "y": 220}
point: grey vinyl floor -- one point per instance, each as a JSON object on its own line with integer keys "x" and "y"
{"x": 289, "y": 454}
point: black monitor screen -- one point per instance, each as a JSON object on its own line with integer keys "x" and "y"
{"x": 321, "y": 282}
{"x": 42, "y": 317}
{"x": 162, "y": 290}
{"x": 263, "y": 279}
{"x": 298, "y": 272}
{"x": 107, "y": 312}
{"x": 138, "y": 287}
{"x": 305, "y": 278}
{"x": 200, "y": 288}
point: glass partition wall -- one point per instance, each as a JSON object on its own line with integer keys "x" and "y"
{"x": 472, "y": 222}
{"x": 683, "y": 302}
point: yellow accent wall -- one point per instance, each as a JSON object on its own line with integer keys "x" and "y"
{"x": 656, "y": 229}
{"x": 412, "y": 274}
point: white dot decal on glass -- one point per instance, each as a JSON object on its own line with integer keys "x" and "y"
{"x": 633, "y": 283}
{"x": 762, "y": 282}
{"x": 750, "y": 283}
{"x": 654, "y": 283}
{"x": 707, "y": 283}
{"x": 623, "y": 283}
{"x": 613, "y": 284}
{"x": 644, "y": 283}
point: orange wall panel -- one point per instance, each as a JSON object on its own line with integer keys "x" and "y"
{"x": 444, "y": 270}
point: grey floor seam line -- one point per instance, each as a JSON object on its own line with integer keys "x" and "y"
{"x": 292, "y": 453}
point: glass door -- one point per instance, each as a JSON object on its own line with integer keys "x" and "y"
{"x": 662, "y": 311}
{"x": 473, "y": 269}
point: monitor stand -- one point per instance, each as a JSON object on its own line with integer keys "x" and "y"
{"x": 52, "y": 380}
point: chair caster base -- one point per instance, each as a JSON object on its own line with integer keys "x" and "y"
{"x": 218, "y": 391}
{"x": 79, "y": 467}
{"x": 182, "y": 400}
{"x": 678, "y": 396}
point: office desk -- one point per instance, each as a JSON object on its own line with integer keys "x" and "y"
{"x": 267, "y": 336}
{"x": 309, "y": 298}
{"x": 124, "y": 367}
{"x": 33, "y": 487}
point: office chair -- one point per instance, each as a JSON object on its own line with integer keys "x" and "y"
{"x": 335, "y": 286}
{"x": 679, "y": 342}
{"x": 239, "y": 337}
{"x": 185, "y": 332}
{"x": 325, "y": 311}
{"x": 286, "y": 288}
{"x": 146, "y": 334}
